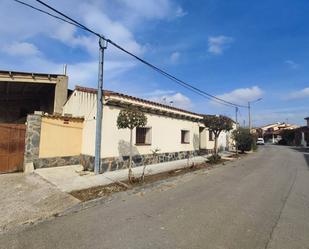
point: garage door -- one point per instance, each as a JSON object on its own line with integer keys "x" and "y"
{"x": 12, "y": 147}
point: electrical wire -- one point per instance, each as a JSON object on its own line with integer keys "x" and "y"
{"x": 45, "y": 12}
{"x": 188, "y": 86}
{"x": 69, "y": 18}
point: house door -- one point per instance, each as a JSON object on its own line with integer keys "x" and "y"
{"x": 12, "y": 147}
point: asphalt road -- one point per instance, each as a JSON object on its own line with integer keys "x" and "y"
{"x": 261, "y": 201}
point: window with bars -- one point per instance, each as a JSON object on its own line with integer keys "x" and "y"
{"x": 185, "y": 136}
{"x": 143, "y": 136}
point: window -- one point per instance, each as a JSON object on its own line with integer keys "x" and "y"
{"x": 185, "y": 137}
{"x": 211, "y": 136}
{"x": 143, "y": 136}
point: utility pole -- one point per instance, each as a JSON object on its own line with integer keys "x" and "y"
{"x": 100, "y": 99}
{"x": 236, "y": 119}
{"x": 249, "y": 112}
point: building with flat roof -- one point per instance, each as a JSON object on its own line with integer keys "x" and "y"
{"x": 22, "y": 93}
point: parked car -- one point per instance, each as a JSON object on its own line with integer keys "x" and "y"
{"x": 260, "y": 141}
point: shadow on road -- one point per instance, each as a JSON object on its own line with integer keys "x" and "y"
{"x": 305, "y": 152}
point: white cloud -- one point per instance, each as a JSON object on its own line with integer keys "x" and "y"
{"x": 292, "y": 64}
{"x": 20, "y": 49}
{"x": 159, "y": 92}
{"x": 304, "y": 93}
{"x": 174, "y": 57}
{"x": 242, "y": 95}
{"x": 180, "y": 12}
{"x": 217, "y": 44}
{"x": 30, "y": 25}
{"x": 174, "y": 99}
{"x": 158, "y": 9}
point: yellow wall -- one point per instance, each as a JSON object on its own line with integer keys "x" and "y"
{"x": 60, "y": 139}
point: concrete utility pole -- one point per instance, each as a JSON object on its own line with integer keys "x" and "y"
{"x": 100, "y": 99}
{"x": 249, "y": 112}
{"x": 236, "y": 120}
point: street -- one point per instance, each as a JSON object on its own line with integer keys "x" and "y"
{"x": 261, "y": 201}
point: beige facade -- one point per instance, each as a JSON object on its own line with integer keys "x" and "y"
{"x": 60, "y": 137}
{"x": 165, "y": 135}
{"x": 165, "y": 125}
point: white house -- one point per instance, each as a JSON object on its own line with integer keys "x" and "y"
{"x": 173, "y": 132}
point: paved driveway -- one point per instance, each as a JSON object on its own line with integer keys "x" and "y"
{"x": 28, "y": 198}
{"x": 258, "y": 202}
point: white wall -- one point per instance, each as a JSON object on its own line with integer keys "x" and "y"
{"x": 224, "y": 140}
{"x": 165, "y": 135}
{"x": 81, "y": 104}
{"x": 165, "y": 132}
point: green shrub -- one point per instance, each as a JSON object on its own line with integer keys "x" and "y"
{"x": 244, "y": 139}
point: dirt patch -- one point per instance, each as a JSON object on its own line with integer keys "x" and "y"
{"x": 96, "y": 192}
{"x": 101, "y": 191}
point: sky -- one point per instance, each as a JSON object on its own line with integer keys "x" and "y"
{"x": 236, "y": 50}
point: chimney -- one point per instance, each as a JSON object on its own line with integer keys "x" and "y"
{"x": 65, "y": 69}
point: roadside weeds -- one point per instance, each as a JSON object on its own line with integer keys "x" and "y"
{"x": 107, "y": 190}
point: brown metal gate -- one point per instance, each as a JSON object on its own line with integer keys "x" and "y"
{"x": 12, "y": 147}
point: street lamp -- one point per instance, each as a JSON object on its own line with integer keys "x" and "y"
{"x": 249, "y": 111}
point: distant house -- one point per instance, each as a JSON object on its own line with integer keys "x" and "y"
{"x": 176, "y": 133}
{"x": 272, "y": 131}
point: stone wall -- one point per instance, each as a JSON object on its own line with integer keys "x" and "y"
{"x": 117, "y": 163}
{"x": 32, "y": 141}
{"x": 56, "y": 161}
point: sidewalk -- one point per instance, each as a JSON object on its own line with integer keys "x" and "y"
{"x": 26, "y": 198}
{"x": 71, "y": 178}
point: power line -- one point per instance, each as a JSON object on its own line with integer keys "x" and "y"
{"x": 171, "y": 77}
{"x": 69, "y": 18}
{"x": 157, "y": 69}
{"x": 168, "y": 75}
{"x": 45, "y": 12}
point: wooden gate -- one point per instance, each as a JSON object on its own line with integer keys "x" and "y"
{"x": 12, "y": 147}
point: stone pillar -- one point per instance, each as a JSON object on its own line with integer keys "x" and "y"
{"x": 61, "y": 93}
{"x": 32, "y": 142}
